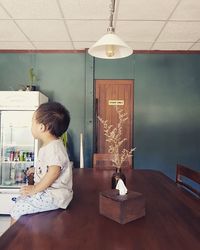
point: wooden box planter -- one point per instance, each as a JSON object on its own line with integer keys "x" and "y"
{"x": 121, "y": 208}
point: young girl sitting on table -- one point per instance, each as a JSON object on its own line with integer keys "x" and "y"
{"x": 52, "y": 187}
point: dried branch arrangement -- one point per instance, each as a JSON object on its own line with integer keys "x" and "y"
{"x": 114, "y": 138}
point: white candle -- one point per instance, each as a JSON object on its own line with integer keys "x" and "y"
{"x": 81, "y": 151}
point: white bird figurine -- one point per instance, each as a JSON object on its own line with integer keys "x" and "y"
{"x": 121, "y": 187}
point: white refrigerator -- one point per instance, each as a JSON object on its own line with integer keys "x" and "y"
{"x": 18, "y": 149}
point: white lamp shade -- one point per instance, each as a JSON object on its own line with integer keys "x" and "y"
{"x": 121, "y": 49}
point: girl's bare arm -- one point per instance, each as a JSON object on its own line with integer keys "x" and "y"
{"x": 49, "y": 178}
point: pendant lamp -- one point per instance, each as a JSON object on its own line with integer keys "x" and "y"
{"x": 110, "y": 46}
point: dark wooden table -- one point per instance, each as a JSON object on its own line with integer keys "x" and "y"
{"x": 172, "y": 218}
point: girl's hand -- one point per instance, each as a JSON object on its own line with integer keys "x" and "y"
{"x": 31, "y": 170}
{"x": 28, "y": 190}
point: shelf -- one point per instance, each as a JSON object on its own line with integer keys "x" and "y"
{"x": 10, "y": 189}
{"x": 18, "y": 145}
{"x": 15, "y": 162}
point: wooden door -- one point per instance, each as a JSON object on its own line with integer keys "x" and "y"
{"x": 110, "y": 93}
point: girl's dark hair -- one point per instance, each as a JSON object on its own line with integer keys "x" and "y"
{"x": 54, "y": 116}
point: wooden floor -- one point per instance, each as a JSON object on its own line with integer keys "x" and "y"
{"x": 172, "y": 220}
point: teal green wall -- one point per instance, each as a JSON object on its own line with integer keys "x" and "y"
{"x": 166, "y": 100}
{"x": 62, "y": 78}
{"x": 167, "y": 111}
{"x": 114, "y": 69}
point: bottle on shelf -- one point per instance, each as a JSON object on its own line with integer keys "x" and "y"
{"x": 30, "y": 178}
{"x": 21, "y": 156}
{"x": 7, "y": 154}
{"x": 16, "y": 156}
{"x": 25, "y": 179}
{"x": 32, "y": 156}
{"x": 12, "y": 174}
{"x": 28, "y": 156}
{"x": 19, "y": 174}
{"x": 24, "y": 156}
{"x": 12, "y": 155}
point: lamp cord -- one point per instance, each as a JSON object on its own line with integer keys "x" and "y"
{"x": 112, "y": 10}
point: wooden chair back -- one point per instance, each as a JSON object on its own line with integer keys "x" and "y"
{"x": 183, "y": 171}
{"x": 104, "y": 161}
